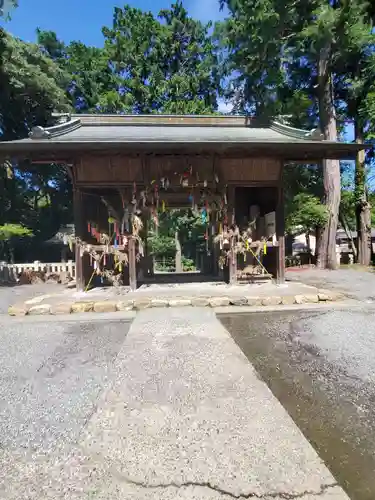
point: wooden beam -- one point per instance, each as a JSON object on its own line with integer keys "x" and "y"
{"x": 132, "y": 264}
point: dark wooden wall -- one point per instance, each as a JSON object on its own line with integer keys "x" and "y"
{"x": 142, "y": 169}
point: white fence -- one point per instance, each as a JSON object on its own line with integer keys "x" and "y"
{"x": 9, "y": 272}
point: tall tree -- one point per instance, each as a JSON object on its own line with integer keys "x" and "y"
{"x": 30, "y": 87}
{"x": 332, "y": 29}
{"x": 30, "y": 90}
{"x": 165, "y": 64}
{"x": 90, "y": 85}
{"x": 285, "y": 46}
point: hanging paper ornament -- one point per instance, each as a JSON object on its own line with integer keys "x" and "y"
{"x": 143, "y": 198}
{"x": 205, "y": 183}
{"x": 185, "y": 182}
{"x": 71, "y": 245}
{"x": 162, "y": 182}
{"x": 204, "y": 215}
{"x": 140, "y": 249}
{"x": 88, "y": 227}
{"x": 265, "y": 248}
{"x": 65, "y": 239}
{"x": 163, "y": 206}
{"x": 216, "y": 179}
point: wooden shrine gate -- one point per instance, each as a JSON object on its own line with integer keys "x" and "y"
{"x": 126, "y": 169}
{"x": 117, "y": 197}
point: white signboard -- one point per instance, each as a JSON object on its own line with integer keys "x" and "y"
{"x": 270, "y": 224}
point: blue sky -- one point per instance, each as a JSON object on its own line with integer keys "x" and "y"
{"x": 83, "y": 19}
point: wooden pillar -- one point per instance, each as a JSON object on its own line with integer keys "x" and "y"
{"x": 231, "y": 220}
{"x": 132, "y": 264}
{"x": 214, "y": 248}
{"x": 280, "y": 231}
{"x": 79, "y": 233}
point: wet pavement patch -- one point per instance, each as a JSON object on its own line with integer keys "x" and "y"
{"x": 321, "y": 387}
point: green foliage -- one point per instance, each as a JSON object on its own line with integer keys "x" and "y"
{"x": 190, "y": 229}
{"x": 30, "y": 87}
{"x": 347, "y": 208}
{"x": 165, "y": 64}
{"x": 14, "y": 231}
{"x": 10, "y": 235}
{"x": 307, "y": 214}
{"x": 188, "y": 264}
{"x": 90, "y": 84}
{"x": 161, "y": 245}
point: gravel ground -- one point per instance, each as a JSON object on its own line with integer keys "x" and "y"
{"x": 321, "y": 366}
{"x": 356, "y": 283}
{"x": 51, "y": 376}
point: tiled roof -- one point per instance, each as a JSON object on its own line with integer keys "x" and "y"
{"x": 172, "y": 132}
{"x": 164, "y": 129}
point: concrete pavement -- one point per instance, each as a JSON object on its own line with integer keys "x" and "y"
{"x": 187, "y": 416}
{"x": 320, "y": 365}
{"x": 172, "y": 410}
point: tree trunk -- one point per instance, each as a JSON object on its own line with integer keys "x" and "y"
{"x": 362, "y": 208}
{"x": 178, "y": 259}
{"x": 331, "y": 168}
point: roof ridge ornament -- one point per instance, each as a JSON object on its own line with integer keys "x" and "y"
{"x": 39, "y": 132}
{"x": 63, "y": 117}
{"x": 56, "y": 130}
{"x": 297, "y": 133}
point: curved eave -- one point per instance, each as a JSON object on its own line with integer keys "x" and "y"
{"x": 294, "y": 151}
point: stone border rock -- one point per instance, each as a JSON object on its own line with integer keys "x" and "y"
{"x": 140, "y": 303}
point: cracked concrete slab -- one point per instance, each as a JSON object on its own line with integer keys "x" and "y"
{"x": 186, "y": 416}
